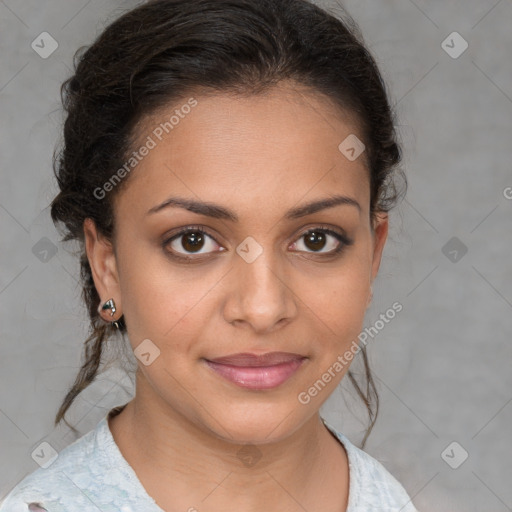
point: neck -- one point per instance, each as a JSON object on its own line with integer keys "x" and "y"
{"x": 182, "y": 465}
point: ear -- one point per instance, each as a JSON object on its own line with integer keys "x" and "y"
{"x": 379, "y": 234}
{"x": 102, "y": 261}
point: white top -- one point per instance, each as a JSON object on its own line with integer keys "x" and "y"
{"x": 92, "y": 475}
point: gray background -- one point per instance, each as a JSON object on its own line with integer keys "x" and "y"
{"x": 442, "y": 365}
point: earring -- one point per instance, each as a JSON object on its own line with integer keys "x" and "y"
{"x": 110, "y": 304}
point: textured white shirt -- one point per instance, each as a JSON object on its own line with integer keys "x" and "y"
{"x": 91, "y": 475}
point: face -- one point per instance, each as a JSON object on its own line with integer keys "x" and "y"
{"x": 255, "y": 273}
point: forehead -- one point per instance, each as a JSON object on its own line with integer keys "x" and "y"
{"x": 282, "y": 144}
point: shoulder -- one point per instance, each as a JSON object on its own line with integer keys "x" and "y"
{"x": 60, "y": 486}
{"x": 372, "y": 486}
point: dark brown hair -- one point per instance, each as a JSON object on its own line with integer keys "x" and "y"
{"x": 162, "y": 51}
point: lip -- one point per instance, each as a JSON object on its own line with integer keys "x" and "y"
{"x": 253, "y": 371}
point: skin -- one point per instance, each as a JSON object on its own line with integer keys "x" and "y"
{"x": 258, "y": 156}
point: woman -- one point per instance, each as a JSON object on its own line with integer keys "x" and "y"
{"x": 227, "y": 169}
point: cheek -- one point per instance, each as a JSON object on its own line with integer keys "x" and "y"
{"x": 338, "y": 303}
{"x": 157, "y": 297}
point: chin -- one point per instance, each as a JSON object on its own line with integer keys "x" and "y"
{"x": 257, "y": 425}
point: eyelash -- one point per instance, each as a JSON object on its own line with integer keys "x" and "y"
{"x": 342, "y": 238}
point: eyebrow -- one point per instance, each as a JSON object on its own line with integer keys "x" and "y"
{"x": 220, "y": 212}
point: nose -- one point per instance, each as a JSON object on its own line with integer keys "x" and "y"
{"x": 260, "y": 296}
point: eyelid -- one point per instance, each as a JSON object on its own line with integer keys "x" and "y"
{"x": 304, "y": 230}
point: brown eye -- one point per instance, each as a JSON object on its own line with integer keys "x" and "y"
{"x": 317, "y": 239}
{"x": 190, "y": 241}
